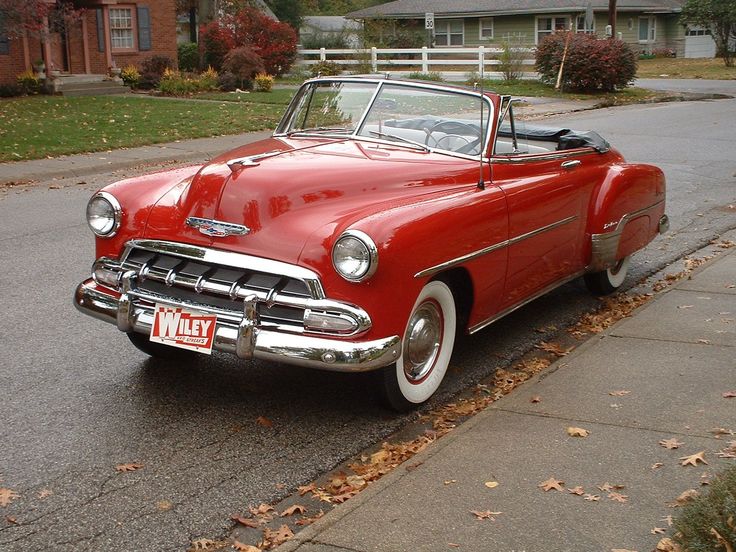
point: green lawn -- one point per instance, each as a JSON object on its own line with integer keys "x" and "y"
{"x": 682, "y": 68}
{"x": 43, "y": 126}
{"x": 278, "y": 96}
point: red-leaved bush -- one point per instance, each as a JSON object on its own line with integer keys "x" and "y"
{"x": 273, "y": 41}
{"x": 244, "y": 63}
{"x": 591, "y": 64}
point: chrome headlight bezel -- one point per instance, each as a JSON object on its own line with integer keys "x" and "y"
{"x": 369, "y": 255}
{"x": 115, "y": 214}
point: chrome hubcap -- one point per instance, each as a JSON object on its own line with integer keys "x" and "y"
{"x": 422, "y": 344}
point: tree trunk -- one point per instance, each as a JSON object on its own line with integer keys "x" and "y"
{"x": 612, "y": 17}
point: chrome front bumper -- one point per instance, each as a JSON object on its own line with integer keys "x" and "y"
{"x": 247, "y": 340}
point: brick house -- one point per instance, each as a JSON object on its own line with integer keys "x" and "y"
{"x": 111, "y": 33}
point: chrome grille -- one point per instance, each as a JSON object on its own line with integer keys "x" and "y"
{"x": 217, "y": 287}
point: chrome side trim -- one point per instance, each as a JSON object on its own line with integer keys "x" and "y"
{"x": 604, "y": 246}
{"x": 533, "y": 158}
{"x": 431, "y": 271}
{"x": 226, "y": 258}
{"x": 485, "y": 323}
{"x": 301, "y": 350}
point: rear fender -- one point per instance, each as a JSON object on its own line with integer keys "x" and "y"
{"x": 625, "y": 213}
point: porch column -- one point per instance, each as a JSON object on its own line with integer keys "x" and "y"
{"x": 47, "y": 48}
{"x": 85, "y": 46}
{"x": 108, "y": 40}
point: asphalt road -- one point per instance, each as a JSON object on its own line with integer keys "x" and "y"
{"x": 76, "y": 399}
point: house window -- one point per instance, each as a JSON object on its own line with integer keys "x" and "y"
{"x": 449, "y": 32}
{"x": 647, "y": 29}
{"x": 580, "y": 26}
{"x": 548, "y": 25}
{"x": 121, "y": 28}
{"x": 486, "y": 29}
{"x": 697, "y": 31}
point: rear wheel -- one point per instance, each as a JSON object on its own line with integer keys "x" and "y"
{"x": 158, "y": 350}
{"x": 426, "y": 349}
{"x": 608, "y": 281}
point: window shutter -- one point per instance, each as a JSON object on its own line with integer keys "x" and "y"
{"x": 144, "y": 28}
{"x": 4, "y": 41}
{"x": 100, "y": 31}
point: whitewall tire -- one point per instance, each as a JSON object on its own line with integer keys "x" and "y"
{"x": 609, "y": 280}
{"x": 426, "y": 349}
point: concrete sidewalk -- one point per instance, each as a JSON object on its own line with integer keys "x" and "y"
{"x": 198, "y": 150}
{"x": 661, "y": 373}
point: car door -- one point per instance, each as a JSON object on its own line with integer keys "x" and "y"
{"x": 546, "y": 193}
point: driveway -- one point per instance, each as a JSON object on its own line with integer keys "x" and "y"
{"x": 696, "y": 86}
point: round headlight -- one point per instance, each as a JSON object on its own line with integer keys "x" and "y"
{"x": 103, "y": 214}
{"x": 355, "y": 256}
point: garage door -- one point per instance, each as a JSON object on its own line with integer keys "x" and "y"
{"x": 699, "y": 43}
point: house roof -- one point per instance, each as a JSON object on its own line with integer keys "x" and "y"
{"x": 329, "y": 23}
{"x": 411, "y": 9}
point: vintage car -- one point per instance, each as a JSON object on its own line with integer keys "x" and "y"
{"x": 381, "y": 217}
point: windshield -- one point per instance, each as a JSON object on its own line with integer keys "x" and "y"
{"x": 411, "y": 115}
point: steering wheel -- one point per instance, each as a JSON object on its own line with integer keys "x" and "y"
{"x": 454, "y": 130}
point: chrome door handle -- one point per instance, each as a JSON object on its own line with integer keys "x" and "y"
{"x": 569, "y": 165}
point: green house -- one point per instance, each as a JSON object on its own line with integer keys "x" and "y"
{"x": 647, "y": 25}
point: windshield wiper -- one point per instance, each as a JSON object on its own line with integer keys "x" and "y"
{"x": 400, "y": 139}
{"x": 317, "y": 130}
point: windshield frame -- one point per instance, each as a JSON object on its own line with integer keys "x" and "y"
{"x": 287, "y": 119}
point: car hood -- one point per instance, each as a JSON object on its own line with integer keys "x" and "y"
{"x": 291, "y": 188}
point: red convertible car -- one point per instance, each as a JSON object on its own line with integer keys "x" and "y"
{"x": 381, "y": 217}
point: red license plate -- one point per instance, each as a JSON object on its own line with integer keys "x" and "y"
{"x": 183, "y": 328}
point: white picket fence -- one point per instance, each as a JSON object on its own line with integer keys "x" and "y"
{"x": 423, "y": 59}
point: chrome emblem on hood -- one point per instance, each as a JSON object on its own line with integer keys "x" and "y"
{"x": 217, "y": 228}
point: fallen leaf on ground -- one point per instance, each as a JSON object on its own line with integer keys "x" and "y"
{"x": 658, "y": 531}
{"x": 729, "y": 394}
{"x": 618, "y": 497}
{"x": 554, "y": 348}
{"x": 718, "y": 431}
{"x": 576, "y": 491}
{"x": 693, "y": 459}
{"x": 304, "y": 489}
{"x": 672, "y": 443}
{"x": 164, "y": 505}
{"x": 606, "y": 487}
{"x": 487, "y": 514}
{"x": 620, "y": 393}
{"x": 591, "y": 497}
{"x": 667, "y": 520}
{"x": 622, "y": 550}
{"x": 240, "y": 547}
{"x": 11, "y": 519}
{"x": 577, "y": 432}
{"x": 273, "y": 538}
{"x": 550, "y": 484}
{"x": 295, "y": 509}
{"x": 685, "y": 497}
{"x": 45, "y": 493}
{"x": 202, "y": 544}
{"x": 450, "y": 481}
{"x": 721, "y": 540}
{"x": 129, "y": 467}
{"x": 704, "y": 341}
{"x": 248, "y": 522}
{"x": 668, "y": 545}
{"x": 263, "y": 421}
{"x": 261, "y": 510}
{"x": 657, "y": 465}
{"x": 309, "y": 520}
{"x": 705, "y": 479}
{"x": 535, "y": 399}
{"x": 729, "y": 451}
{"x": 453, "y": 545}
{"x": 491, "y": 484}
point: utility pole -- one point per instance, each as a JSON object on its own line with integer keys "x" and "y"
{"x": 612, "y": 17}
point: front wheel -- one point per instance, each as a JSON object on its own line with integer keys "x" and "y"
{"x": 607, "y": 281}
{"x": 426, "y": 349}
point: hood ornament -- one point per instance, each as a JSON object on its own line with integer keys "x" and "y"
{"x": 217, "y": 228}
